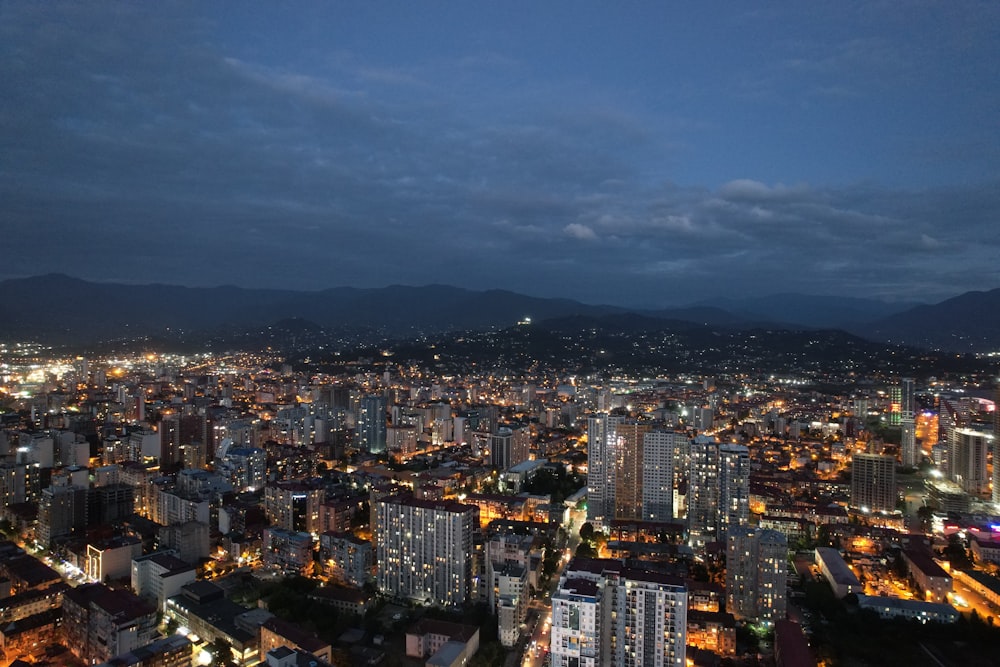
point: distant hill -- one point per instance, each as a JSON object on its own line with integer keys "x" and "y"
{"x": 58, "y": 309}
{"x": 809, "y": 310}
{"x": 969, "y": 322}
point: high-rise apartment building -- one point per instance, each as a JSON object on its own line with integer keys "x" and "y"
{"x": 718, "y": 489}
{"x": 873, "y": 482}
{"x": 659, "y": 456}
{"x": 424, "y": 549}
{"x": 604, "y": 613}
{"x": 996, "y": 445}
{"x": 628, "y": 464}
{"x": 372, "y": 424}
{"x": 908, "y": 425}
{"x": 895, "y": 405}
{"x": 756, "y": 574}
{"x": 294, "y": 506}
{"x": 509, "y": 446}
{"x": 602, "y": 452}
{"x": 967, "y": 453}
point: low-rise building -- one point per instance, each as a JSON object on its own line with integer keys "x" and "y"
{"x": 985, "y": 584}
{"x": 712, "y": 631}
{"x": 286, "y": 549}
{"x": 112, "y": 559}
{"x": 160, "y": 576}
{"x": 276, "y": 632}
{"x": 101, "y": 622}
{"x": 928, "y": 575}
{"x": 347, "y": 601}
{"x": 917, "y": 610}
{"x": 171, "y": 651}
{"x": 203, "y": 609}
{"x": 22, "y": 635}
{"x": 839, "y": 576}
{"x": 985, "y": 550}
{"x": 455, "y": 641}
{"x": 346, "y": 558}
{"x": 31, "y": 602}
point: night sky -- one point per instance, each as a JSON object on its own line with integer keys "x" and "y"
{"x": 637, "y": 153}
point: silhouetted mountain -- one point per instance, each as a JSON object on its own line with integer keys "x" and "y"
{"x": 969, "y": 322}
{"x": 807, "y": 310}
{"x": 58, "y": 309}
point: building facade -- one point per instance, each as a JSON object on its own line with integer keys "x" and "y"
{"x": 424, "y": 549}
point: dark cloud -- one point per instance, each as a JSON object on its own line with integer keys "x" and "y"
{"x": 141, "y": 147}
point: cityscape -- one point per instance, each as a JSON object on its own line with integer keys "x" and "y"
{"x": 172, "y": 509}
{"x": 499, "y": 335}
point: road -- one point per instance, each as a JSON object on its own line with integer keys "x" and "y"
{"x": 537, "y": 647}
{"x": 975, "y": 602}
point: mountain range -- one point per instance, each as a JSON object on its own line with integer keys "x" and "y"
{"x": 61, "y": 310}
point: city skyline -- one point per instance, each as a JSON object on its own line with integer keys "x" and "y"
{"x": 644, "y": 155}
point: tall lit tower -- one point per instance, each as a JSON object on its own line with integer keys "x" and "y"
{"x": 372, "y": 424}
{"x": 907, "y": 422}
{"x": 718, "y": 490}
{"x": 967, "y": 452}
{"x": 659, "y": 462}
{"x": 756, "y": 574}
{"x": 996, "y": 444}
{"x": 873, "y": 482}
{"x": 629, "y": 469}
{"x": 602, "y": 452}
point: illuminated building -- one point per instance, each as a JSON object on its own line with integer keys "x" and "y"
{"x": 346, "y": 558}
{"x": 873, "y": 483}
{"x": 100, "y": 623}
{"x": 967, "y": 454}
{"x": 908, "y": 442}
{"x": 756, "y": 574}
{"x": 288, "y": 550}
{"x": 659, "y": 448}
{"x": 294, "y": 506}
{"x": 244, "y": 467}
{"x": 628, "y": 463}
{"x": 604, "y": 613}
{"x": 509, "y": 447}
{"x": 602, "y": 448}
{"x": 895, "y": 405}
{"x": 372, "y": 424}
{"x": 424, "y": 549}
{"x": 718, "y": 490}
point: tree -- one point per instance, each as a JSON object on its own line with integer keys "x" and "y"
{"x": 587, "y": 532}
{"x": 222, "y": 652}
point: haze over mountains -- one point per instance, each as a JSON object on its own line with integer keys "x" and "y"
{"x": 58, "y": 309}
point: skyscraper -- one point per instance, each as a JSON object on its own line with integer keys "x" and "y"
{"x": 629, "y": 469}
{"x": 424, "y": 549}
{"x": 371, "y": 424}
{"x": 659, "y": 448}
{"x": 718, "y": 489}
{"x": 651, "y": 627}
{"x": 756, "y": 574}
{"x": 873, "y": 482}
{"x": 895, "y": 405}
{"x": 602, "y": 451}
{"x": 908, "y": 442}
{"x": 734, "y": 488}
{"x": 996, "y": 444}
{"x": 604, "y": 613}
{"x": 967, "y": 452}
{"x": 509, "y": 446}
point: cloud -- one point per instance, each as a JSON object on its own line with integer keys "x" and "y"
{"x": 581, "y": 232}
{"x": 161, "y": 151}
